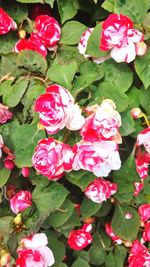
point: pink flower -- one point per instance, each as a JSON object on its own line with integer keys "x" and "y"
{"x": 6, "y": 22}
{"x": 48, "y": 30}
{"x": 52, "y": 158}
{"x": 34, "y": 252}
{"x": 97, "y": 157}
{"x": 138, "y": 188}
{"x": 103, "y": 124}
{"x": 143, "y": 138}
{"x": 5, "y": 114}
{"x": 146, "y": 233}
{"x": 142, "y": 162}
{"x": 84, "y": 41}
{"x": 39, "y": 9}
{"x": 139, "y": 255}
{"x": 20, "y": 201}
{"x": 119, "y": 36}
{"x": 33, "y": 43}
{"x": 56, "y": 110}
{"x": 100, "y": 190}
{"x": 81, "y": 238}
{"x": 144, "y": 212}
{"x": 109, "y": 231}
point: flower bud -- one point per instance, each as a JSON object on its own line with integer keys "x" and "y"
{"x": 141, "y": 48}
{"x": 136, "y": 113}
{"x": 22, "y": 34}
{"x": 4, "y": 258}
{"x": 127, "y": 244}
{"x": 25, "y": 171}
{"x": 9, "y": 164}
{"x": 17, "y": 220}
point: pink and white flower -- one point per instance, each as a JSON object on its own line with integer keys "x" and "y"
{"x": 6, "y": 22}
{"x": 139, "y": 255}
{"x": 97, "y": 157}
{"x": 144, "y": 212}
{"x": 100, "y": 190}
{"x": 103, "y": 123}
{"x": 143, "y": 138}
{"x": 48, "y": 30}
{"x": 21, "y": 201}
{"x": 109, "y": 231}
{"x": 52, "y": 158}
{"x": 5, "y": 114}
{"x": 119, "y": 36}
{"x": 57, "y": 110}
{"x": 84, "y": 41}
{"x": 81, "y": 238}
{"x": 34, "y": 252}
{"x": 146, "y": 233}
{"x": 138, "y": 188}
{"x": 33, "y": 44}
{"x": 142, "y": 162}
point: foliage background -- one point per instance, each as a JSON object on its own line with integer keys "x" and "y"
{"x": 23, "y": 77}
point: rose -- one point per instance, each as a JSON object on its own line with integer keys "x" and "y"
{"x": 56, "y": 110}
{"x": 100, "y": 190}
{"x": 20, "y": 201}
{"x": 109, "y": 231}
{"x": 52, "y": 158}
{"x": 139, "y": 255}
{"x": 48, "y": 30}
{"x": 119, "y": 35}
{"x": 33, "y": 43}
{"x": 97, "y": 157}
{"x": 103, "y": 124}
{"x": 81, "y": 238}
{"x": 6, "y": 22}
{"x": 144, "y": 212}
{"x": 34, "y": 252}
{"x": 143, "y": 138}
{"x": 5, "y": 114}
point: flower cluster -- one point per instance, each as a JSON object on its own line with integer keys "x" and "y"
{"x": 45, "y": 36}
{"x": 81, "y": 238}
{"x": 33, "y": 251}
{"x": 6, "y": 22}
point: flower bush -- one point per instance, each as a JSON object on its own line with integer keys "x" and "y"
{"x": 74, "y": 133}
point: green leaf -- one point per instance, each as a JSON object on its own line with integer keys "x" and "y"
{"x": 66, "y": 73}
{"x": 15, "y": 93}
{"x": 67, "y": 9}
{"x": 49, "y": 198}
{"x": 17, "y": 11}
{"x": 133, "y": 97}
{"x": 8, "y": 65}
{"x": 127, "y": 126}
{"x": 6, "y": 225}
{"x": 116, "y": 258}
{"x": 89, "y": 208}
{"x": 50, "y": 2}
{"x": 6, "y": 130}
{"x": 97, "y": 252}
{"x": 7, "y": 43}
{"x": 71, "y": 223}
{"x": 32, "y": 61}
{"x": 70, "y": 27}
{"x": 30, "y": 1}
{"x": 107, "y": 90}
{"x": 80, "y": 178}
{"x": 124, "y": 179}
{"x": 80, "y": 262}
{"x": 114, "y": 73}
{"x": 59, "y": 217}
{"x": 142, "y": 68}
{"x": 90, "y": 72}
{"x": 136, "y": 10}
{"x": 4, "y": 176}
{"x": 144, "y": 98}
{"x": 126, "y": 229}
{"x": 94, "y": 43}
{"x": 25, "y": 139}
{"x": 108, "y": 5}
